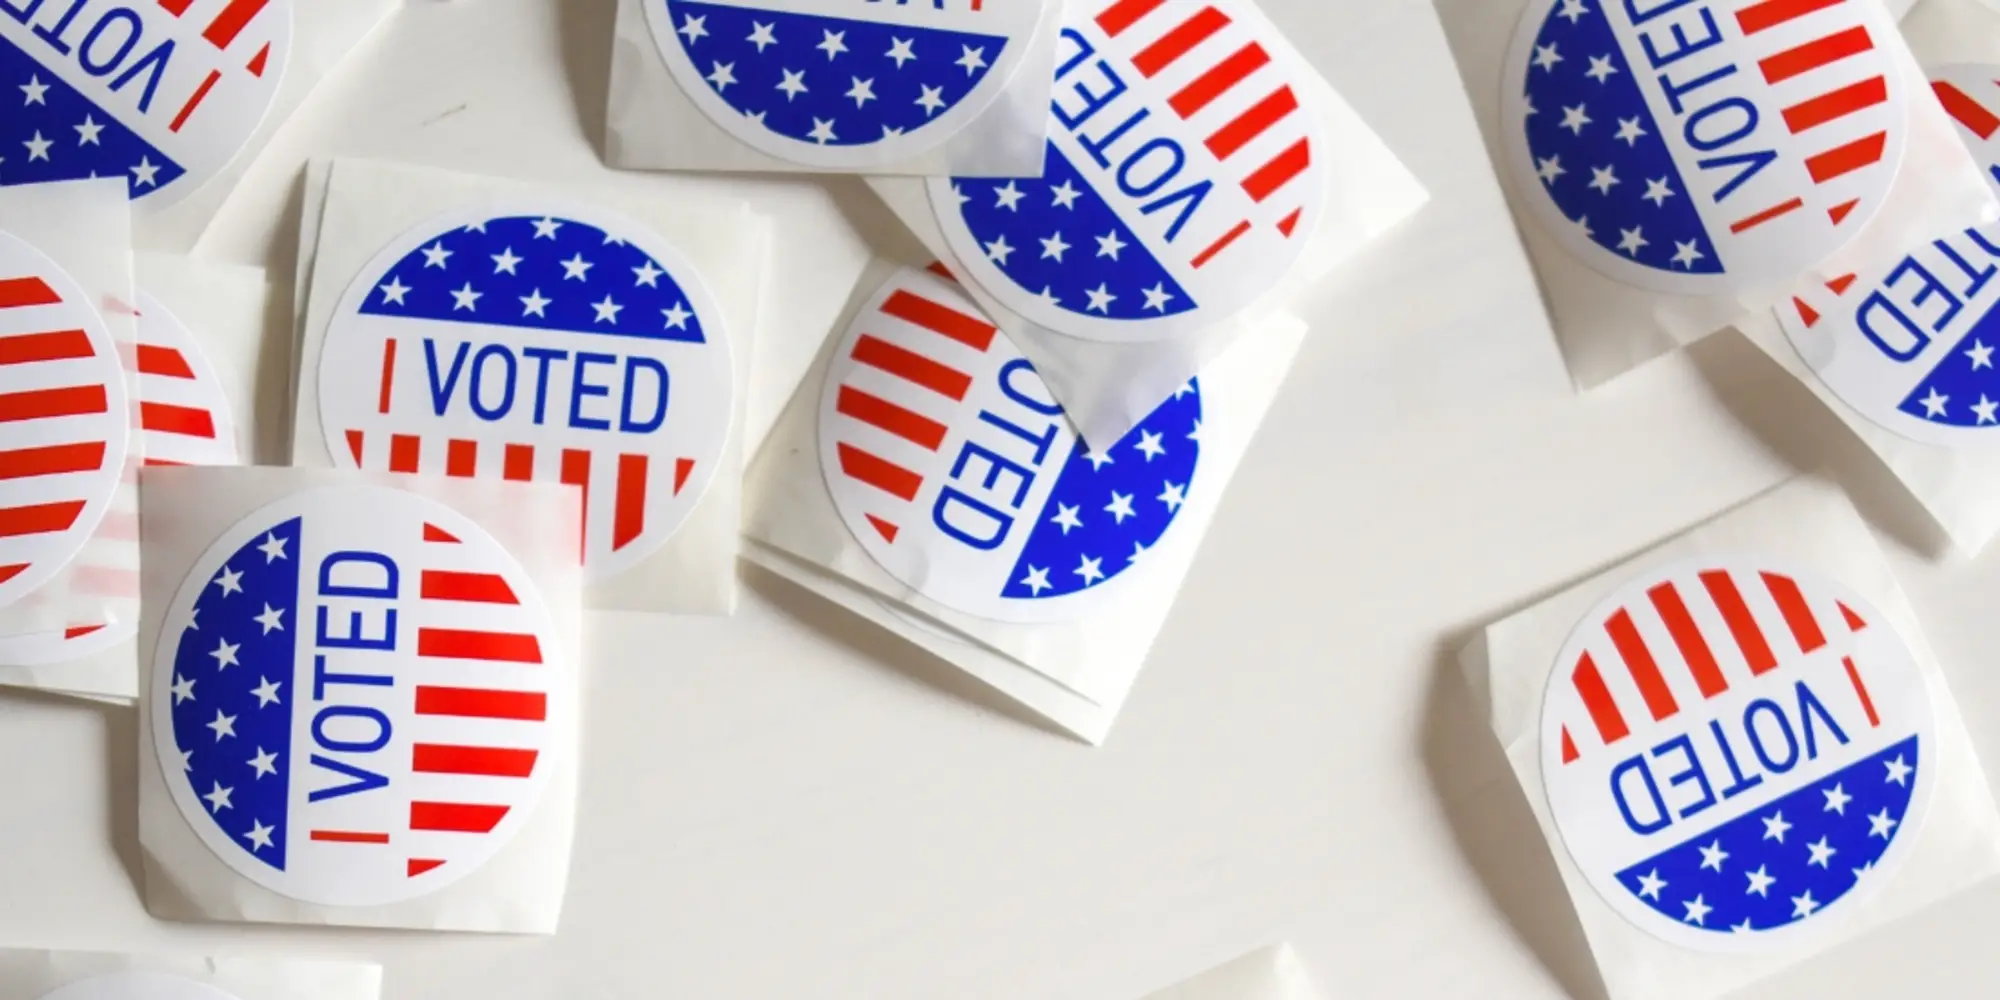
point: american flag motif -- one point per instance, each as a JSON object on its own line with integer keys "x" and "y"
{"x": 355, "y": 698}
{"x": 1733, "y": 747}
{"x": 1184, "y": 177}
{"x": 1970, "y": 93}
{"x": 799, "y": 77}
{"x": 952, "y": 464}
{"x": 536, "y": 348}
{"x": 161, "y": 92}
{"x": 1696, "y": 147}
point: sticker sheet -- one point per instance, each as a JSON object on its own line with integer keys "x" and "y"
{"x": 486, "y": 330}
{"x": 82, "y": 975}
{"x": 1270, "y": 974}
{"x": 831, "y": 86}
{"x": 172, "y": 98}
{"x": 1198, "y": 173}
{"x": 1740, "y": 747}
{"x": 925, "y": 478}
{"x": 360, "y": 699}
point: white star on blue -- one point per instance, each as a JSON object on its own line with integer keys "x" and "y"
{"x": 1963, "y": 390}
{"x": 49, "y": 131}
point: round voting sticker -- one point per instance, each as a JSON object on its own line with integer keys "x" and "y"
{"x": 1184, "y": 178}
{"x": 1970, "y": 93}
{"x": 138, "y": 986}
{"x": 357, "y": 696}
{"x": 162, "y": 94}
{"x": 62, "y": 400}
{"x": 563, "y": 345}
{"x": 1911, "y": 346}
{"x": 842, "y": 83}
{"x": 959, "y": 473}
{"x": 185, "y": 420}
{"x": 1701, "y": 147}
{"x": 1736, "y": 751}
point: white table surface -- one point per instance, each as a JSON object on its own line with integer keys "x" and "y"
{"x": 787, "y": 804}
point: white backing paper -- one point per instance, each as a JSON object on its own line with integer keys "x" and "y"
{"x": 27, "y": 974}
{"x": 1270, "y": 974}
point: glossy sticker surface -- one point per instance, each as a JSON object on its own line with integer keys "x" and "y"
{"x": 1970, "y": 93}
{"x": 138, "y": 986}
{"x": 1736, "y": 752}
{"x": 1185, "y": 177}
{"x": 357, "y": 697}
{"x": 1702, "y": 147}
{"x": 550, "y": 345}
{"x": 960, "y": 475}
{"x": 64, "y": 419}
{"x": 843, "y": 83}
{"x": 164, "y": 93}
{"x": 1911, "y": 346}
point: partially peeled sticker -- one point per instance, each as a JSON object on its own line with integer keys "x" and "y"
{"x": 540, "y": 344}
{"x": 1185, "y": 177}
{"x": 1704, "y": 147}
{"x": 1970, "y": 93}
{"x": 358, "y": 697}
{"x": 138, "y": 986}
{"x": 841, "y": 83}
{"x": 162, "y": 94}
{"x": 950, "y": 461}
{"x": 1737, "y": 753}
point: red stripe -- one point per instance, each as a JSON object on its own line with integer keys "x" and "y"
{"x": 404, "y": 452}
{"x": 1753, "y": 221}
{"x": 26, "y": 463}
{"x": 35, "y": 519}
{"x": 466, "y": 644}
{"x": 418, "y": 866}
{"x": 261, "y": 61}
{"x": 1814, "y": 54}
{"x": 1861, "y": 691}
{"x": 1843, "y": 160}
{"x": 1217, "y": 81}
{"x": 11, "y": 571}
{"x": 175, "y": 7}
{"x": 200, "y": 94}
{"x": 1742, "y": 625}
{"x": 483, "y": 588}
{"x": 912, "y": 367}
{"x": 39, "y": 404}
{"x": 1124, "y": 14}
{"x": 461, "y": 458}
{"x": 1569, "y": 746}
{"x": 1280, "y": 171}
{"x": 354, "y": 445}
{"x": 79, "y": 631}
{"x": 1688, "y": 639}
{"x": 887, "y": 529}
{"x": 1640, "y": 664}
{"x": 163, "y": 361}
{"x": 879, "y": 472}
{"x": 1970, "y": 113}
{"x": 493, "y": 762}
{"x": 628, "y": 515}
{"x": 455, "y": 817}
{"x": 576, "y": 472}
{"x": 1771, "y": 13}
{"x": 1252, "y": 123}
{"x": 18, "y": 292}
{"x": 483, "y": 703}
{"x": 60, "y": 345}
{"x": 1836, "y": 104}
{"x": 1798, "y": 616}
{"x": 683, "y": 468}
{"x": 167, "y": 418}
{"x": 970, "y": 331}
{"x": 433, "y": 533}
{"x": 388, "y": 375}
{"x": 1215, "y": 249}
{"x": 878, "y": 412}
{"x": 349, "y": 837}
{"x": 231, "y": 21}
{"x": 520, "y": 463}
{"x": 1597, "y": 699}
{"x": 1178, "y": 42}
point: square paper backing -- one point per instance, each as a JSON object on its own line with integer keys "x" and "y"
{"x": 520, "y": 889}
{"x": 1812, "y": 524}
{"x": 354, "y": 208}
{"x": 1075, "y": 673}
{"x": 653, "y": 125}
{"x": 28, "y": 975}
{"x": 1271, "y": 974}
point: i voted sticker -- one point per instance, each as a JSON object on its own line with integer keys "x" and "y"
{"x": 1970, "y": 93}
{"x": 164, "y": 94}
{"x": 1703, "y": 147}
{"x": 1911, "y": 346}
{"x": 185, "y": 419}
{"x": 959, "y": 473}
{"x": 64, "y": 419}
{"x": 558, "y": 345}
{"x": 1185, "y": 176}
{"x": 358, "y": 696}
{"x": 1736, "y": 751}
{"x": 138, "y": 986}
{"x": 843, "y": 83}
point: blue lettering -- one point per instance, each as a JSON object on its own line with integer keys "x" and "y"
{"x": 376, "y": 742}
{"x": 53, "y": 36}
{"x": 20, "y": 13}
{"x": 633, "y": 366}
{"x": 364, "y": 780}
{"x": 1683, "y": 45}
{"x": 1659, "y": 804}
{"x": 322, "y": 677}
{"x": 1771, "y": 710}
{"x": 986, "y": 531}
{"x": 1694, "y": 772}
{"x": 477, "y": 397}
{"x": 1738, "y": 783}
{"x": 542, "y": 356}
{"x": 579, "y": 390}
{"x": 157, "y": 59}
{"x": 104, "y": 67}
{"x": 1809, "y": 706}
{"x": 441, "y": 393}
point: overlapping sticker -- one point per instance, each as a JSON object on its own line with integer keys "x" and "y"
{"x": 1911, "y": 345}
{"x": 164, "y": 93}
{"x": 1703, "y": 147}
{"x": 185, "y": 419}
{"x": 137, "y": 986}
{"x": 959, "y": 473}
{"x": 563, "y": 345}
{"x": 843, "y": 83}
{"x": 1736, "y": 751}
{"x": 358, "y": 696}
{"x": 1970, "y": 93}
{"x": 1185, "y": 177}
